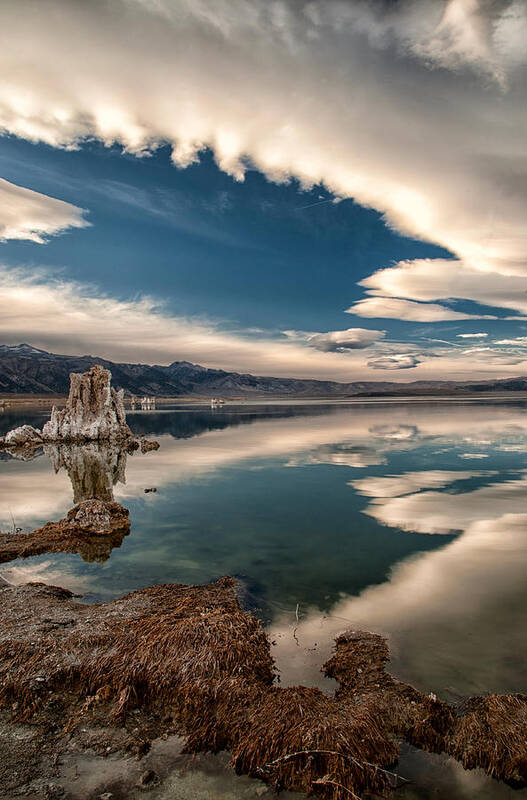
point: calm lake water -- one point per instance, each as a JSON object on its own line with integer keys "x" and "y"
{"x": 406, "y": 518}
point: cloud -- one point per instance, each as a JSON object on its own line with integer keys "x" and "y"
{"x": 409, "y": 482}
{"x": 428, "y": 280}
{"x": 25, "y": 214}
{"x": 394, "y": 362}
{"x": 338, "y": 341}
{"x": 518, "y": 341}
{"x": 395, "y": 308}
{"x": 67, "y": 317}
{"x": 471, "y": 335}
{"x": 300, "y": 89}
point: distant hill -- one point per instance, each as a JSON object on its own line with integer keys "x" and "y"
{"x": 27, "y": 370}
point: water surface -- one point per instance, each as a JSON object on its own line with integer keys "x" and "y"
{"x": 406, "y": 518}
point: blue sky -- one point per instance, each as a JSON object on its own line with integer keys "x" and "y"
{"x": 311, "y": 189}
{"x": 253, "y": 253}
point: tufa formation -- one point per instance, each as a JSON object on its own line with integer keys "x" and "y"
{"x": 94, "y": 412}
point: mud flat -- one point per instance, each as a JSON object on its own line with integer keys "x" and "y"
{"x": 188, "y": 661}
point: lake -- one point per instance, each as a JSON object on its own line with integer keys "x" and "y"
{"x": 405, "y": 518}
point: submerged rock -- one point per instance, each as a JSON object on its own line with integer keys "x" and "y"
{"x": 147, "y": 446}
{"x": 94, "y": 411}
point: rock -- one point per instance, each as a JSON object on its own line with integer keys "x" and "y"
{"x": 148, "y": 779}
{"x": 92, "y": 529}
{"x": 146, "y": 446}
{"x": 94, "y": 411}
{"x": 23, "y": 436}
{"x": 92, "y": 516}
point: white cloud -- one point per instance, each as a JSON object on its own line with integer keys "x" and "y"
{"x": 25, "y": 214}
{"x": 428, "y": 280}
{"x": 338, "y": 341}
{"x": 294, "y": 90}
{"x": 395, "y": 308}
{"x": 471, "y": 335}
{"x": 403, "y": 361}
{"x": 299, "y": 89}
{"x": 71, "y": 318}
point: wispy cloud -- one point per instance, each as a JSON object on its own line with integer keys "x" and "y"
{"x": 471, "y": 335}
{"x": 380, "y": 307}
{"x": 25, "y": 214}
{"x": 68, "y": 317}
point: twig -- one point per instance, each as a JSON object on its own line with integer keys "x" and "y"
{"x": 296, "y": 626}
{"x": 288, "y": 756}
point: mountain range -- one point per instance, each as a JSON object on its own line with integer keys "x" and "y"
{"x": 28, "y": 370}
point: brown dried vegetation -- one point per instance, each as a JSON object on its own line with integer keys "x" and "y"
{"x": 190, "y": 660}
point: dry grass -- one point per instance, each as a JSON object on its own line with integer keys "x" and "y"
{"x": 193, "y": 661}
{"x": 492, "y": 733}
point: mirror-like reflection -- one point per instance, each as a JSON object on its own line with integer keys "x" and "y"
{"x": 93, "y": 468}
{"x": 406, "y": 519}
{"x": 96, "y": 524}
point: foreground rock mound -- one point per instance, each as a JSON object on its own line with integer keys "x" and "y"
{"x": 178, "y": 659}
{"x": 92, "y": 528}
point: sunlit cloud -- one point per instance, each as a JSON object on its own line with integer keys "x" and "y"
{"x": 300, "y": 90}
{"x": 394, "y": 362}
{"x": 337, "y": 341}
{"x": 71, "y": 318}
{"x": 25, "y": 214}
{"x": 395, "y": 308}
{"x": 427, "y": 280}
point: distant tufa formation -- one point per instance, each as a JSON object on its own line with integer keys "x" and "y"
{"x": 94, "y": 412}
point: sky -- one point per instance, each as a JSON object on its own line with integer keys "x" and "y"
{"x": 332, "y": 189}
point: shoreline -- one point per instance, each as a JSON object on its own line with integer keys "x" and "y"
{"x": 187, "y": 661}
{"x": 49, "y": 400}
